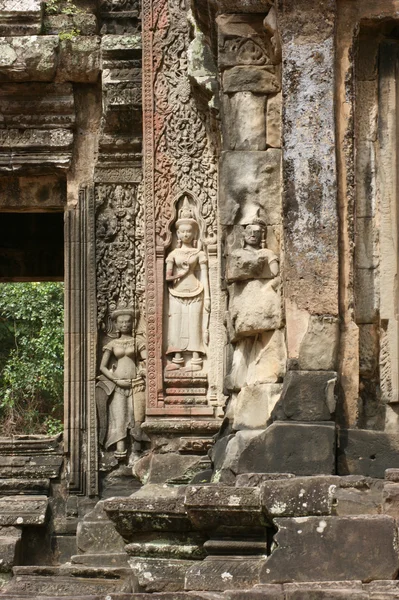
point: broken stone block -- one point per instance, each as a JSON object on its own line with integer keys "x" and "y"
{"x": 96, "y": 534}
{"x": 228, "y": 468}
{"x": 79, "y": 59}
{"x": 299, "y": 497}
{"x": 390, "y": 500}
{"x": 274, "y": 121}
{"x": 369, "y": 453}
{"x": 255, "y": 307}
{"x": 307, "y": 396}
{"x": 250, "y": 181}
{"x": 28, "y": 58}
{"x": 23, "y": 510}
{"x": 313, "y": 542}
{"x": 254, "y": 405}
{"x": 246, "y": 121}
{"x": 268, "y": 357}
{"x": 10, "y": 540}
{"x": 298, "y": 448}
{"x": 172, "y": 467}
{"x": 259, "y": 80}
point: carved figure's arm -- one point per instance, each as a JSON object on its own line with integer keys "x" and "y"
{"x": 205, "y": 281}
{"x": 274, "y": 266}
{"x": 142, "y": 367}
{"x": 104, "y": 366}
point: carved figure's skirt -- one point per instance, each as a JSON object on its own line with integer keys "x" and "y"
{"x": 120, "y": 415}
{"x": 185, "y": 331}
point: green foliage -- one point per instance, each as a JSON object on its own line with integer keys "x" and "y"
{"x": 61, "y": 7}
{"x": 31, "y": 357}
{"x": 69, "y": 35}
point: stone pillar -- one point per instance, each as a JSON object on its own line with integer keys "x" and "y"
{"x": 310, "y": 273}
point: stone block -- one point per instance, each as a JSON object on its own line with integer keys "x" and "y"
{"x": 267, "y": 359}
{"x": 22, "y": 17}
{"x": 212, "y": 507}
{"x": 307, "y": 396}
{"x": 256, "y": 479}
{"x": 28, "y": 58}
{"x": 390, "y": 500}
{"x": 152, "y": 508}
{"x": 274, "y": 121}
{"x": 23, "y": 510}
{"x": 259, "y": 80}
{"x": 260, "y": 592}
{"x": 353, "y": 502}
{"x": 79, "y": 59}
{"x": 173, "y": 467}
{"x": 369, "y": 453}
{"x": 96, "y": 534}
{"x": 85, "y": 23}
{"x": 219, "y": 573}
{"x": 367, "y": 244}
{"x": 299, "y": 497}
{"x": 245, "y": 121}
{"x": 365, "y": 179}
{"x": 318, "y": 348}
{"x": 255, "y": 307}
{"x": 367, "y": 110}
{"x": 366, "y": 296}
{"x": 234, "y": 449}
{"x": 313, "y": 541}
{"x": 250, "y": 181}
{"x": 338, "y": 590}
{"x": 254, "y": 405}
{"x": 10, "y": 540}
{"x": 368, "y": 349}
{"x": 160, "y": 575}
{"x": 298, "y": 448}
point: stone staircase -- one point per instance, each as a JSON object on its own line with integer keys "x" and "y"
{"x": 271, "y": 537}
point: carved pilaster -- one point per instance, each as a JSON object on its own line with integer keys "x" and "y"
{"x": 80, "y": 347}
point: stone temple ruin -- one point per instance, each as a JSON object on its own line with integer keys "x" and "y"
{"x": 227, "y": 173}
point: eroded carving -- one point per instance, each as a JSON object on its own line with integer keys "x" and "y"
{"x": 121, "y": 387}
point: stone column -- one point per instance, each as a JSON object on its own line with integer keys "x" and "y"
{"x": 310, "y": 273}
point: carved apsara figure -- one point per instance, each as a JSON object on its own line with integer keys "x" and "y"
{"x": 121, "y": 387}
{"x": 253, "y": 260}
{"x": 189, "y": 296}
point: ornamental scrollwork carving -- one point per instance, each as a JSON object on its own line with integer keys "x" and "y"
{"x": 119, "y": 247}
{"x": 184, "y": 157}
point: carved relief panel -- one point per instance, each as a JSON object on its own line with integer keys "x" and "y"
{"x": 183, "y": 300}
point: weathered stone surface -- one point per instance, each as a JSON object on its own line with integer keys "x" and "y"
{"x": 390, "y": 500}
{"x": 307, "y": 396}
{"x": 313, "y": 541}
{"x": 274, "y": 121}
{"x": 20, "y": 18}
{"x": 353, "y": 501}
{"x": 10, "y": 540}
{"x": 23, "y": 510}
{"x": 310, "y": 185}
{"x": 85, "y": 23}
{"x": 160, "y": 575}
{"x": 246, "y": 121}
{"x": 318, "y": 348}
{"x": 259, "y": 592}
{"x": 79, "y": 60}
{"x": 288, "y": 447}
{"x": 369, "y": 453}
{"x": 339, "y": 590}
{"x": 152, "y": 508}
{"x": 228, "y": 465}
{"x": 255, "y": 307}
{"x": 250, "y": 180}
{"x": 174, "y": 468}
{"x": 254, "y": 405}
{"x": 299, "y": 496}
{"x": 259, "y": 80}
{"x": 224, "y": 573}
{"x": 214, "y": 506}
{"x": 256, "y": 479}
{"x": 28, "y": 58}
{"x": 96, "y": 534}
